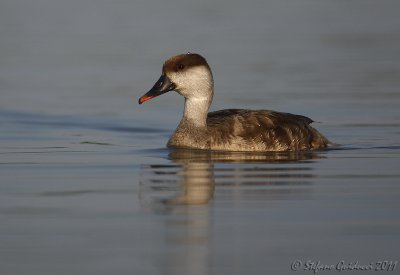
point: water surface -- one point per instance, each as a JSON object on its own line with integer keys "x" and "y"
{"x": 87, "y": 185}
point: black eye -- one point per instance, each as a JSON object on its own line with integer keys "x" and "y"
{"x": 181, "y": 66}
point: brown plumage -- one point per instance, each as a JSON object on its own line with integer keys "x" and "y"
{"x": 262, "y": 130}
{"x": 231, "y": 129}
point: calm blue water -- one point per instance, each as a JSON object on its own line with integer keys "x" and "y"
{"x": 87, "y": 185}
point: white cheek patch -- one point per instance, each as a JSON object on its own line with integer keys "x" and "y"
{"x": 193, "y": 81}
{"x": 198, "y": 77}
{"x": 201, "y": 73}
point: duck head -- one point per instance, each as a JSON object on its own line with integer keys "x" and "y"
{"x": 188, "y": 74}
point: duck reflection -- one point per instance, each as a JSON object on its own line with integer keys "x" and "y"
{"x": 186, "y": 183}
{"x": 182, "y": 191}
{"x": 199, "y": 156}
{"x": 197, "y": 184}
{"x": 191, "y": 178}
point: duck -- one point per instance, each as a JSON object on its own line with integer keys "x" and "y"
{"x": 231, "y": 129}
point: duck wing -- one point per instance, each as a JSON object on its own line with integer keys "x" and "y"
{"x": 262, "y": 130}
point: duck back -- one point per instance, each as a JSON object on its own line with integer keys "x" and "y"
{"x": 262, "y": 130}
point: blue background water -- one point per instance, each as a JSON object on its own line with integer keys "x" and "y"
{"x": 88, "y": 187}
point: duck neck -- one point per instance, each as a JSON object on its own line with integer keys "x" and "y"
{"x": 196, "y": 110}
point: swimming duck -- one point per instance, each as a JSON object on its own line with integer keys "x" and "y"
{"x": 232, "y": 129}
